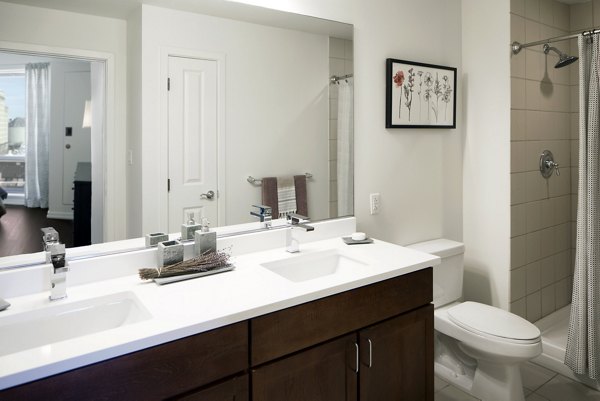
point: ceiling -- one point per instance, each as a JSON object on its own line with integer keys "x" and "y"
{"x": 105, "y": 8}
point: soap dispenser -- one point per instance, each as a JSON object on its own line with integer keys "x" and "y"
{"x": 205, "y": 240}
{"x": 188, "y": 229}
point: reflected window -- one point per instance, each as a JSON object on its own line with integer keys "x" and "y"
{"x": 12, "y": 130}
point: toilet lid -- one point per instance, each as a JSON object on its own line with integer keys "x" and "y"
{"x": 486, "y": 319}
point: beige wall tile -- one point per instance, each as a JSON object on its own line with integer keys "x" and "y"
{"x": 533, "y": 216}
{"x": 562, "y": 15}
{"x": 518, "y": 280}
{"x": 532, "y": 31}
{"x": 564, "y": 265}
{"x": 547, "y": 12}
{"x": 596, "y": 12}
{"x": 560, "y": 184}
{"x": 574, "y": 125}
{"x": 519, "y": 308}
{"x": 336, "y": 47}
{"x": 548, "y": 300}
{"x": 563, "y": 237}
{"x": 573, "y": 209}
{"x": 517, "y": 125}
{"x": 548, "y": 271}
{"x": 533, "y": 249}
{"x": 562, "y": 292}
{"x": 548, "y": 213}
{"x": 533, "y": 123}
{"x": 534, "y": 306}
{"x": 518, "y": 225}
{"x": 517, "y": 7}
{"x": 518, "y": 253}
{"x": 533, "y": 95}
{"x": 562, "y": 206}
{"x": 574, "y": 154}
{"x": 517, "y": 93}
{"x": 581, "y": 16}
{"x": 517, "y": 156}
{"x": 517, "y": 30}
{"x": 575, "y": 180}
{"x": 518, "y": 185}
{"x": 533, "y": 64}
{"x": 548, "y": 241}
{"x": 536, "y": 186}
{"x": 532, "y": 9}
{"x": 574, "y": 94}
{"x": 562, "y": 123}
{"x": 517, "y": 65}
{"x": 533, "y": 277}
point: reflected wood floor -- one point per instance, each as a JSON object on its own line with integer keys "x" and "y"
{"x": 20, "y": 230}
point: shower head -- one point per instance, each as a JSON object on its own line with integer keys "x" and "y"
{"x": 563, "y": 59}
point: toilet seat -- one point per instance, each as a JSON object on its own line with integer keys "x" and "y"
{"x": 493, "y": 323}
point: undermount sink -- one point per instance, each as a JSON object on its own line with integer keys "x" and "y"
{"x": 66, "y": 321}
{"x": 315, "y": 265}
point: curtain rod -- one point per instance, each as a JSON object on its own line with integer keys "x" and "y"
{"x": 334, "y": 78}
{"x": 516, "y": 46}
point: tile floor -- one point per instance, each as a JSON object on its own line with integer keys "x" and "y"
{"x": 539, "y": 384}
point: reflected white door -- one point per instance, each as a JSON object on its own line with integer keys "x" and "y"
{"x": 76, "y": 146}
{"x": 193, "y": 112}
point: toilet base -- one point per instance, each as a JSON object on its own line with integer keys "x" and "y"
{"x": 490, "y": 382}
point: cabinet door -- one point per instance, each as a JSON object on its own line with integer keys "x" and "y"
{"x": 323, "y": 373}
{"x": 397, "y": 358}
{"x": 236, "y": 389}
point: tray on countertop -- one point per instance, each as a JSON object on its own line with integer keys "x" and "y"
{"x": 182, "y": 277}
{"x": 350, "y": 241}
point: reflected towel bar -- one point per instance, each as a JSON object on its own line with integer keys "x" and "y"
{"x": 257, "y": 181}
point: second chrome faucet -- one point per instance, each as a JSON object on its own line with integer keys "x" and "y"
{"x": 296, "y": 222}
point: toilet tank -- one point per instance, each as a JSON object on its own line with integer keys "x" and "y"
{"x": 448, "y": 275}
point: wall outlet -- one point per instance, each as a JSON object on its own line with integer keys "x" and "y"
{"x": 375, "y": 203}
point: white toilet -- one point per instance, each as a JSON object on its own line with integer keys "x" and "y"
{"x": 478, "y": 347}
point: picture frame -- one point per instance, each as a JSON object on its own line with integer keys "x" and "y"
{"x": 419, "y": 95}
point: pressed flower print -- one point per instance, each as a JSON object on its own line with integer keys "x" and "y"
{"x": 420, "y": 95}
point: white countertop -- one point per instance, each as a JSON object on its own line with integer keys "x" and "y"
{"x": 194, "y": 306}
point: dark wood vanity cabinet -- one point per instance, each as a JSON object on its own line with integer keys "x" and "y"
{"x": 388, "y": 354}
{"x": 156, "y": 373}
{"x": 373, "y": 343}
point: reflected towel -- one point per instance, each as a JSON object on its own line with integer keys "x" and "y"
{"x": 286, "y": 196}
{"x": 270, "y": 198}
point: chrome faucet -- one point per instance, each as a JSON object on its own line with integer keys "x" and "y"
{"x": 265, "y": 214}
{"x": 56, "y": 254}
{"x": 294, "y": 221}
{"x": 59, "y": 271}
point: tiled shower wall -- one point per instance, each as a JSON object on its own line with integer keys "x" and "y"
{"x": 340, "y": 63}
{"x": 541, "y": 118}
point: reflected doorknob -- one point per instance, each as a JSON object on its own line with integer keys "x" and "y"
{"x": 208, "y": 195}
{"x": 68, "y": 146}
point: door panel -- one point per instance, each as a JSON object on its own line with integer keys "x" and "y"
{"x": 397, "y": 358}
{"x": 77, "y": 147}
{"x": 322, "y": 373}
{"x": 193, "y": 133}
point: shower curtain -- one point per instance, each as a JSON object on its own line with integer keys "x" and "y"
{"x": 37, "y": 128}
{"x": 583, "y": 341}
{"x": 345, "y": 147}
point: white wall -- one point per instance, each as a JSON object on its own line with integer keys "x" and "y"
{"x": 276, "y": 108}
{"x": 40, "y": 28}
{"x": 417, "y": 171}
{"x": 486, "y": 194}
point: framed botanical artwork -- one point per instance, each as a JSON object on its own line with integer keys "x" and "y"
{"x": 420, "y": 95}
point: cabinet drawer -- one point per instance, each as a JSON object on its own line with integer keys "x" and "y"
{"x": 290, "y": 330}
{"x": 152, "y": 374}
{"x": 236, "y": 389}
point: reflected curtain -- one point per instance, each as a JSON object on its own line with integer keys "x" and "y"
{"x": 37, "y": 127}
{"x": 583, "y": 341}
{"x": 345, "y": 147}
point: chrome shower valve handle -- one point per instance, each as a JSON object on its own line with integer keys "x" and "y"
{"x": 548, "y": 165}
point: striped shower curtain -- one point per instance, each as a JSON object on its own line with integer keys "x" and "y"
{"x": 583, "y": 341}
{"x": 345, "y": 147}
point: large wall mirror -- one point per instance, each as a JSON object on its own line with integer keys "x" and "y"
{"x": 282, "y": 88}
